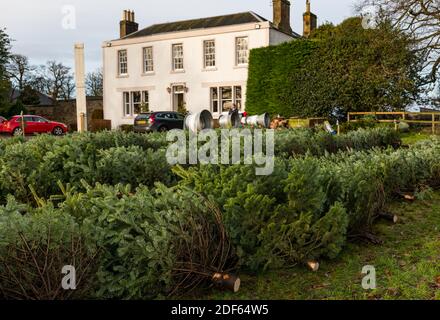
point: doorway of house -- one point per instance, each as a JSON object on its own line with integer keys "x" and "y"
{"x": 178, "y": 97}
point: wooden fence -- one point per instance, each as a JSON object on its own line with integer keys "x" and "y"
{"x": 100, "y": 124}
{"x": 422, "y": 118}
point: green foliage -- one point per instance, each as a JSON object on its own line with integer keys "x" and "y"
{"x": 124, "y": 243}
{"x": 323, "y": 188}
{"x": 106, "y": 157}
{"x": 343, "y": 68}
{"x": 5, "y": 85}
{"x": 306, "y": 208}
{"x": 136, "y": 233}
{"x": 271, "y": 84}
{"x": 126, "y": 128}
{"x": 302, "y": 141}
{"x": 276, "y": 220}
{"x": 29, "y": 96}
{"x": 35, "y": 244}
{"x": 132, "y": 165}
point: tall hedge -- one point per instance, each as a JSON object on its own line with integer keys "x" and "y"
{"x": 270, "y": 84}
{"x": 343, "y": 68}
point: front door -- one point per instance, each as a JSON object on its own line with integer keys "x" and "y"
{"x": 178, "y": 98}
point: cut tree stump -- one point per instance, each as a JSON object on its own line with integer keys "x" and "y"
{"x": 227, "y": 281}
{"x": 389, "y": 216}
{"x": 313, "y": 265}
{"x": 409, "y": 197}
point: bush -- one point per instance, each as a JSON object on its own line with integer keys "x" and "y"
{"x": 35, "y": 244}
{"x": 132, "y": 165}
{"x": 302, "y": 141}
{"x": 275, "y": 220}
{"x": 152, "y": 242}
{"x": 271, "y": 87}
{"x": 126, "y": 128}
{"x": 341, "y": 69}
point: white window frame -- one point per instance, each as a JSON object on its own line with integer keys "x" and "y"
{"x": 130, "y": 104}
{"x": 242, "y": 51}
{"x": 177, "y": 57}
{"x": 122, "y": 62}
{"x": 126, "y": 104}
{"x": 213, "y": 99}
{"x": 234, "y": 99}
{"x": 209, "y": 56}
{"x": 148, "y": 58}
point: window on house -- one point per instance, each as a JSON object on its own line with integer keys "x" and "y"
{"x": 226, "y": 96}
{"x": 209, "y": 53}
{"x": 178, "y": 56}
{"x": 145, "y": 101}
{"x": 135, "y": 102}
{"x": 127, "y": 109}
{"x": 148, "y": 59}
{"x": 214, "y": 100}
{"x": 241, "y": 51}
{"x": 222, "y": 98}
{"x": 237, "y": 97}
{"x": 122, "y": 62}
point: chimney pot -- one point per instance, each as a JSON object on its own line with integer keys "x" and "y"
{"x": 310, "y": 21}
{"x": 128, "y": 25}
{"x": 281, "y": 15}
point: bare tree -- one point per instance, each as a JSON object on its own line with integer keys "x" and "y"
{"x": 94, "y": 83}
{"x": 68, "y": 87}
{"x": 420, "y": 19}
{"x": 54, "y": 79}
{"x": 19, "y": 70}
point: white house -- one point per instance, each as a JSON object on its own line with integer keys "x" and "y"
{"x": 199, "y": 64}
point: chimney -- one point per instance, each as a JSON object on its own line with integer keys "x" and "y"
{"x": 310, "y": 21}
{"x": 281, "y": 15}
{"x": 127, "y": 25}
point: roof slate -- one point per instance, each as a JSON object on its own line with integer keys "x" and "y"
{"x": 204, "y": 23}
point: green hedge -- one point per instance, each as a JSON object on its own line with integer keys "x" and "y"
{"x": 271, "y": 87}
{"x": 340, "y": 69}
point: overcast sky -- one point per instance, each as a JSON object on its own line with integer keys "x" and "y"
{"x": 37, "y": 25}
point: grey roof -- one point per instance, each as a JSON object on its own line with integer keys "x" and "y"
{"x": 44, "y": 100}
{"x": 204, "y": 23}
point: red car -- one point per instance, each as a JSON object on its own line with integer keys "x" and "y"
{"x": 32, "y": 124}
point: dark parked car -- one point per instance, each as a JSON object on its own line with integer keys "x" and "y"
{"x": 158, "y": 121}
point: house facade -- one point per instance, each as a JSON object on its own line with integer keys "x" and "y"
{"x": 194, "y": 64}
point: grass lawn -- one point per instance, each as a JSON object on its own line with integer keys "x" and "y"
{"x": 407, "y": 264}
{"x": 414, "y": 137}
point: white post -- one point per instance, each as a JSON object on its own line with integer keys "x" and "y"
{"x": 81, "y": 102}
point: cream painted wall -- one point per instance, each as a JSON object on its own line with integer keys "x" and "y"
{"x": 195, "y": 77}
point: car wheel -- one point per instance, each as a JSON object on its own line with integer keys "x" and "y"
{"x": 57, "y": 131}
{"x": 17, "y": 132}
{"x": 163, "y": 129}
